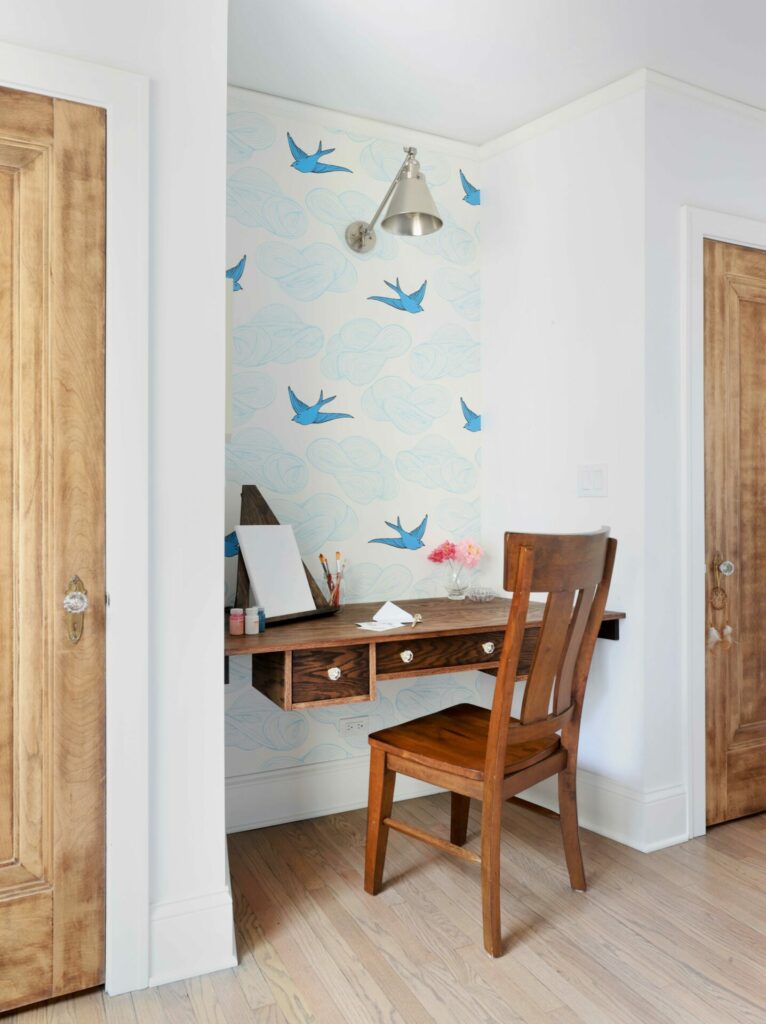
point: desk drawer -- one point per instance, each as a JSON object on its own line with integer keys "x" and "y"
{"x": 411, "y": 656}
{"x": 331, "y": 674}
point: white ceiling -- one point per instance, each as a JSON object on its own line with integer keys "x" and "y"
{"x": 474, "y": 69}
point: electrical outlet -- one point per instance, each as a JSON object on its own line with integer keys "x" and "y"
{"x": 355, "y": 726}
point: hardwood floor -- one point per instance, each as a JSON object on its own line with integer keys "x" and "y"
{"x": 677, "y": 936}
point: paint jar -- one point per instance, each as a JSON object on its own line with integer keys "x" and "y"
{"x": 252, "y": 623}
{"x": 261, "y": 618}
{"x": 236, "y": 622}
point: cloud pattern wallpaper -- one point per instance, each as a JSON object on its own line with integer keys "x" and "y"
{"x": 355, "y": 391}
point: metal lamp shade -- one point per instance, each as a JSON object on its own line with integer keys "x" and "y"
{"x": 412, "y": 210}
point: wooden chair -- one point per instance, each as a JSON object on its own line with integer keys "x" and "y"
{"x": 487, "y": 755}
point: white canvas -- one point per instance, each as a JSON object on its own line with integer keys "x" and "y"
{"x": 277, "y": 577}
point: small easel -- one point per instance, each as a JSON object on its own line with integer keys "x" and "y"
{"x": 255, "y": 511}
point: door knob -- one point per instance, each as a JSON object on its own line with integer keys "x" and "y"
{"x": 488, "y": 647}
{"x": 406, "y": 657}
{"x": 334, "y": 673}
{"x": 726, "y": 568}
{"x": 75, "y": 606}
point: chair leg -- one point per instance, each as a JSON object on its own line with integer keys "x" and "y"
{"x": 459, "y": 818}
{"x": 380, "y": 801}
{"x": 570, "y": 830}
{"x": 490, "y": 876}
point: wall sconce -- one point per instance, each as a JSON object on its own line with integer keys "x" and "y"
{"x": 411, "y": 211}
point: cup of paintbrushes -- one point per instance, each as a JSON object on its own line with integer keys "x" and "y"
{"x": 333, "y": 579}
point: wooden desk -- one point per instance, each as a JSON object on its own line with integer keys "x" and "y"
{"x": 296, "y": 664}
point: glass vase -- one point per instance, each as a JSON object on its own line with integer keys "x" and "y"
{"x": 456, "y": 585}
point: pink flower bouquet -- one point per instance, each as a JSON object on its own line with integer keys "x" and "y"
{"x": 466, "y": 554}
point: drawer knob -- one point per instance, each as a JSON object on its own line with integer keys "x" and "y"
{"x": 488, "y": 647}
{"x": 334, "y": 673}
{"x": 406, "y": 657}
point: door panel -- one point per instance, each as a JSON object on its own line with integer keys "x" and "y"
{"x": 52, "y": 187}
{"x": 735, "y": 488}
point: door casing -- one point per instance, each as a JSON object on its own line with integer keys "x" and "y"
{"x": 697, "y": 225}
{"x": 125, "y": 97}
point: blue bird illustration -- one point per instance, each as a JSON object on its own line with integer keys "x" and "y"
{"x": 234, "y": 273}
{"x": 308, "y": 414}
{"x": 231, "y": 544}
{"x": 310, "y": 164}
{"x": 472, "y": 194}
{"x": 407, "y": 303}
{"x": 472, "y": 419}
{"x": 410, "y": 540}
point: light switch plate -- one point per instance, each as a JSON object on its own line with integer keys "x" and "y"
{"x": 593, "y": 481}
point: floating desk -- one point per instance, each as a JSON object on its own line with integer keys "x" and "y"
{"x": 324, "y": 661}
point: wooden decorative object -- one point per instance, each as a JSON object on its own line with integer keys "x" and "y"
{"x": 255, "y": 511}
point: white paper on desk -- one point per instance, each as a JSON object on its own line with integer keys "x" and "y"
{"x": 379, "y": 627}
{"x": 392, "y": 614}
{"x": 277, "y": 576}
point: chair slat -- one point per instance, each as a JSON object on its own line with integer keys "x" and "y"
{"x": 548, "y": 657}
{"x": 595, "y": 617}
{"x": 563, "y": 692}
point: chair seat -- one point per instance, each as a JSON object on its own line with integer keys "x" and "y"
{"x": 455, "y": 740}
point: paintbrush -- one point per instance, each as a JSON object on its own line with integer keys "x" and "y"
{"x": 326, "y": 567}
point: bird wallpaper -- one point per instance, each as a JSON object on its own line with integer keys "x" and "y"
{"x": 356, "y": 404}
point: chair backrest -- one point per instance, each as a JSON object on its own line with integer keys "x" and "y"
{"x": 574, "y": 571}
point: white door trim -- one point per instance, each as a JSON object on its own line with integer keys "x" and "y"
{"x": 696, "y": 226}
{"x": 125, "y": 97}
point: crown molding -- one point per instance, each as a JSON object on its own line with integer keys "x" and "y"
{"x": 637, "y": 81}
{"x": 634, "y": 82}
{"x": 240, "y": 99}
{"x": 675, "y": 85}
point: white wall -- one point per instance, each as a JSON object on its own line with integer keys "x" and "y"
{"x": 583, "y": 363}
{"x": 563, "y": 373}
{"x": 708, "y": 153}
{"x": 185, "y": 58}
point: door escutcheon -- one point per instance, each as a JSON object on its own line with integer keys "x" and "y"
{"x": 75, "y": 606}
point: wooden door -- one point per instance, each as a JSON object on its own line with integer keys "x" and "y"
{"x": 735, "y": 510}
{"x": 52, "y": 168}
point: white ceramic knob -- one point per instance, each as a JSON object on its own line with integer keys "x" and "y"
{"x": 406, "y": 657}
{"x": 334, "y": 673}
{"x": 488, "y": 647}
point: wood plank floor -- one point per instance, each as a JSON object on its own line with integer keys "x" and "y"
{"x": 677, "y": 937}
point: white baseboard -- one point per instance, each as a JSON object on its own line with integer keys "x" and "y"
{"x": 305, "y": 791}
{"x": 191, "y": 937}
{"x": 644, "y": 821}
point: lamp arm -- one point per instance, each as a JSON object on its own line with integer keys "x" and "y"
{"x": 387, "y": 196}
